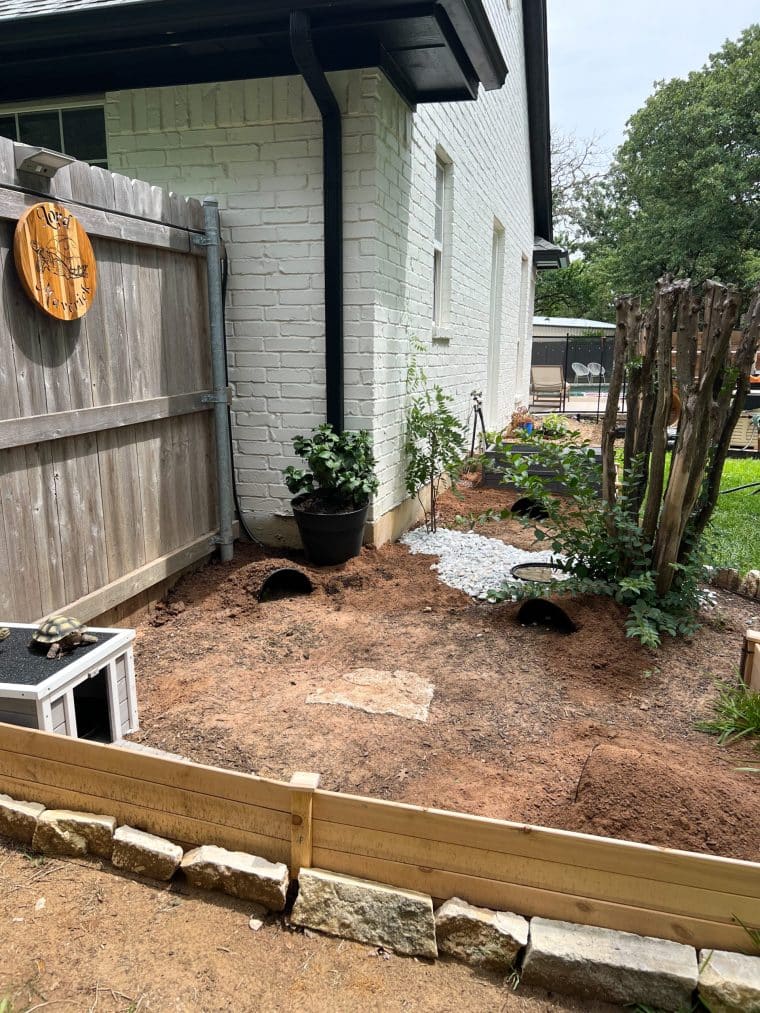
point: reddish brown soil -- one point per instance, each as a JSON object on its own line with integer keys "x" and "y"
{"x": 523, "y": 721}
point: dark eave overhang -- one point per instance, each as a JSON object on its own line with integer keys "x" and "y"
{"x": 439, "y": 50}
{"x": 548, "y": 256}
{"x": 537, "y": 73}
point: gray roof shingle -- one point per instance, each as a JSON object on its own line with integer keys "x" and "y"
{"x": 13, "y": 10}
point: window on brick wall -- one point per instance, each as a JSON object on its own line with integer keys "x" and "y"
{"x": 78, "y": 130}
{"x": 442, "y": 241}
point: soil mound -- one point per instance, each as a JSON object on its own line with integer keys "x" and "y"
{"x": 663, "y": 799}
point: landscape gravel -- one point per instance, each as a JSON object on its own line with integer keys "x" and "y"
{"x": 468, "y": 561}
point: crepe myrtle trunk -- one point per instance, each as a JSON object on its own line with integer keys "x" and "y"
{"x": 712, "y": 382}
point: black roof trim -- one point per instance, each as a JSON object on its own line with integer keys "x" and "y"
{"x": 548, "y": 256}
{"x": 537, "y": 73}
{"x": 433, "y": 47}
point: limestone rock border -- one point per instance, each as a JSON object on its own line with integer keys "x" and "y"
{"x": 728, "y": 579}
{"x": 561, "y": 956}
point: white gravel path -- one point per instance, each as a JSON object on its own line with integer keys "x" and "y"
{"x": 471, "y": 562}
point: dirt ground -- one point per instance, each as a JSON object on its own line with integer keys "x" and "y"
{"x": 587, "y": 732}
{"x": 73, "y": 937}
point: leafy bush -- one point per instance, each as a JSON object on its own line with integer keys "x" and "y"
{"x": 342, "y": 467}
{"x": 553, "y": 427}
{"x": 434, "y": 442}
{"x": 737, "y": 713}
{"x": 578, "y": 529}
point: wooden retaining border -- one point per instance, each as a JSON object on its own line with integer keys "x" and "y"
{"x": 690, "y": 898}
{"x": 751, "y": 660}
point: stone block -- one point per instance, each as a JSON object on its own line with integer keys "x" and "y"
{"x": 145, "y": 854}
{"x": 479, "y": 936}
{"x": 60, "y": 832}
{"x": 367, "y": 912}
{"x": 729, "y": 982}
{"x": 18, "y": 820}
{"x": 238, "y": 874}
{"x": 616, "y": 967}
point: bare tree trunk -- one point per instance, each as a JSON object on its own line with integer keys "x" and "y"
{"x": 639, "y": 425}
{"x": 742, "y": 364}
{"x": 627, "y": 322}
{"x": 691, "y": 451}
{"x": 667, "y": 298}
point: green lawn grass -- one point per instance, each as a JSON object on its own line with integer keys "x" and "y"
{"x": 735, "y": 526}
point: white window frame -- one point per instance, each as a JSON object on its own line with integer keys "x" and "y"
{"x": 60, "y": 106}
{"x": 495, "y": 324}
{"x": 442, "y": 234}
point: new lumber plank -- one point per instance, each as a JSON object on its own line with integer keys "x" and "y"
{"x": 183, "y": 830}
{"x": 563, "y": 846}
{"x": 95, "y": 757}
{"x": 544, "y": 903}
{"x": 674, "y": 898}
{"x": 112, "y": 788}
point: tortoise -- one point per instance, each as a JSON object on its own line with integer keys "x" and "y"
{"x": 60, "y": 634}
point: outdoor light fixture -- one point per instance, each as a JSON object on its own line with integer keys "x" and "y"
{"x": 40, "y": 161}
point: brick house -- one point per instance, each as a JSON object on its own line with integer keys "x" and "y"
{"x": 416, "y": 171}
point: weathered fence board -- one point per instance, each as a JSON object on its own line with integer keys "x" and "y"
{"x": 107, "y": 455}
{"x": 690, "y": 898}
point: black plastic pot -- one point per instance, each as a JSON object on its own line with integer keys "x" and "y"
{"x": 329, "y": 538}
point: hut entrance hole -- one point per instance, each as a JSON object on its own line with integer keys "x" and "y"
{"x": 284, "y": 583}
{"x": 526, "y": 506}
{"x": 91, "y": 708}
{"x": 540, "y": 612}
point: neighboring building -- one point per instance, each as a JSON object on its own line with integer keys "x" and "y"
{"x": 445, "y": 202}
{"x": 562, "y": 327}
{"x": 562, "y": 341}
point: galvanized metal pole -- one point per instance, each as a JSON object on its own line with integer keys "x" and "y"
{"x": 225, "y": 499}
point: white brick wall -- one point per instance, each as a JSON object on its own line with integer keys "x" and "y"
{"x": 257, "y": 146}
{"x": 487, "y": 142}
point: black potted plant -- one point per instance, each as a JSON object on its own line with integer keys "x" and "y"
{"x": 332, "y": 497}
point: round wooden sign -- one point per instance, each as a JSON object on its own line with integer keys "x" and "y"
{"x": 55, "y": 261}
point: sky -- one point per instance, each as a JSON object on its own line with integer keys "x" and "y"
{"x": 605, "y": 55}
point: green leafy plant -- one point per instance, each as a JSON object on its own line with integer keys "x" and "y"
{"x": 553, "y": 427}
{"x": 737, "y": 713}
{"x": 434, "y": 442}
{"x": 341, "y": 466}
{"x": 602, "y": 547}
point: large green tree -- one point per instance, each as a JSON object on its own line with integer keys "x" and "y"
{"x": 683, "y": 192}
{"x": 579, "y": 290}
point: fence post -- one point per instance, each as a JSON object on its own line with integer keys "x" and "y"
{"x": 751, "y": 660}
{"x": 302, "y": 788}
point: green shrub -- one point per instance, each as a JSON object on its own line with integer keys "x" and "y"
{"x": 737, "y": 713}
{"x": 342, "y": 467}
{"x": 602, "y": 548}
{"x": 434, "y": 441}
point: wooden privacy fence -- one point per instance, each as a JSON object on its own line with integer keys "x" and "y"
{"x": 106, "y": 442}
{"x": 690, "y": 898}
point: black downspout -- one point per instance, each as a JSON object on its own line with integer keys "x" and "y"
{"x": 306, "y": 60}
